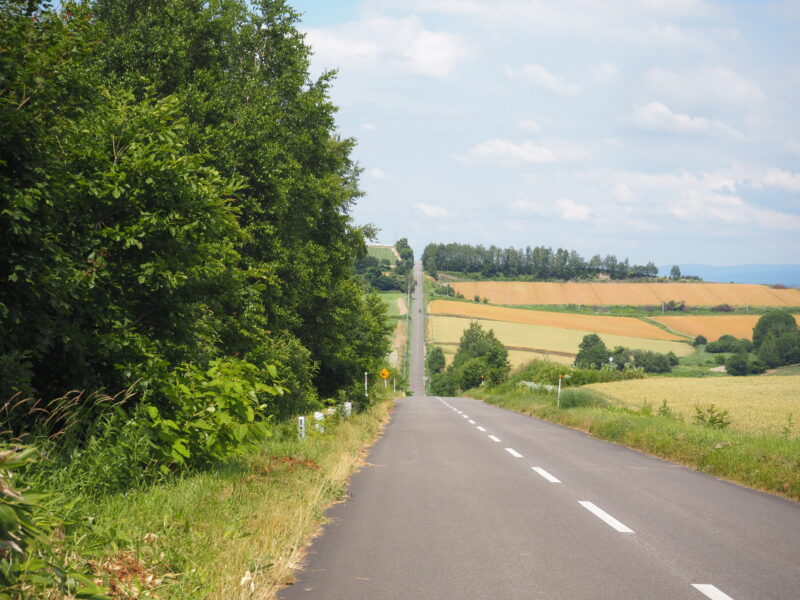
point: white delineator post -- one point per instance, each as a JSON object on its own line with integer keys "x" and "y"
{"x": 301, "y": 427}
{"x": 366, "y": 391}
{"x": 348, "y": 409}
{"x": 558, "y": 401}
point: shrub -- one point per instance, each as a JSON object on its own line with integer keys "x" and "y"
{"x": 572, "y": 398}
{"x": 210, "y": 415}
{"x": 737, "y": 365}
{"x": 755, "y": 366}
{"x": 712, "y": 417}
{"x": 729, "y": 343}
{"x": 700, "y": 340}
{"x": 722, "y": 308}
{"x": 592, "y": 352}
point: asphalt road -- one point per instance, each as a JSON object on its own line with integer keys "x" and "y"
{"x": 465, "y": 500}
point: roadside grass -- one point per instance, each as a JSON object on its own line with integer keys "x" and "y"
{"x": 390, "y": 300}
{"x": 790, "y": 370}
{"x": 697, "y": 364}
{"x": 765, "y": 461}
{"x": 237, "y": 531}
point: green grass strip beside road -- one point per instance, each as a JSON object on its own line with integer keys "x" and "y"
{"x": 762, "y": 461}
{"x": 238, "y": 531}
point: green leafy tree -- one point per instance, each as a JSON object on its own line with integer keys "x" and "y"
{"x": 776, "y": 322}
{"x": 435, "y": 361}
{"x": 737, "y": 364}
{"x": 675, "y": 272}
{"x": 592, "y": 352}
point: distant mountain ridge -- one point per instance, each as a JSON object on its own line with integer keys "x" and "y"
{"x": 788, "y": 275}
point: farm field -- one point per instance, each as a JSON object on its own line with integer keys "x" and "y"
{"x": 538, "y": 338}
{"x": 712, "y": 327}
{"x": 627, "y": 294}
{"x": 383, "y": 252}
{"x": 625, "y": 326}
{"x": 515, "y": 357}
{"x": 395, "y": 303}
{"x": 755, "y": 404}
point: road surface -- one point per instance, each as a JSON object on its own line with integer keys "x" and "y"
{"x": 464, "y": 500}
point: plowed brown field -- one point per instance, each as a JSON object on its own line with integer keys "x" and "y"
{"x": 712, "y": 327}
{"x": 627, "y": 294}
{"x": 627, "y": 326}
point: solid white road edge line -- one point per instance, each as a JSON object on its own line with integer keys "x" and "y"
{"x": 494, "y": 438}
{"x": 546, "y": 475}
{"x": 480, "y": 428}
{"x": 710, "y": 591}
{"x": 513, "y": 453}
{"x": 598, "y": 512}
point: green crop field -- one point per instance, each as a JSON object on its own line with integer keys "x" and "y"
{"x": 383, "y": 253}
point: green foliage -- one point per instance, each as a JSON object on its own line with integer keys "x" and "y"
{"x": 711, "y": 417}
{"x": 546, "y": 372}
{"x": 572, "y": 397}
{"x": 592, "y": 352}
{"x": 675, "y": 272}
{"x": 209, "y": 415}
{"x": 700, "y": 340}
{"x": 776, "y": 322}
{"x": 736, "y": 364}
{"x": 28, "y": 564}
{"x": 729, "y": 343}
{"x": 435, "y": 361}
{"x": 480, "y": 358}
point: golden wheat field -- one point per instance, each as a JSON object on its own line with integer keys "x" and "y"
{"x": 515, "y": 357}
{"x": 755, "y": 404}
{"x": 627, "y": 294}
{"x": 538, "y": 338}
{"x": 626, "y": 326}
{"x": 712, "y": 327}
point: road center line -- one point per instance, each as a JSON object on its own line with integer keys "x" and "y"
{"x": 513, "y": 453}
{"x": 465, "y": 416}
{"x": 480, "y": 428}
{"x": 710, "y": 591}
{"x": 598, "y": 512}
{"x": 546, "y": 475}
{"x": 494, "y": 438}
{"x": 471, "y": 422}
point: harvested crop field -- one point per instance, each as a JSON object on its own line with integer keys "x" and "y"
{"x": 755, "y": 404}
{"x": 712, "y": 327}
{"x": 538, "y": 338}
{"x": 515, "y": 357}
{"x": 383, "y": 253}
{"x": 627, "y": 294}
{"x": 625, "y": 326}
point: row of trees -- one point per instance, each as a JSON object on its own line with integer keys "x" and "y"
{"x": 539, "y": 263}
{"x": 174, "y": 192}
{"x": 593, "y": 354}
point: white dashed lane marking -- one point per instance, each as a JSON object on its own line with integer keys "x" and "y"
{"x": 480, "y": 428}
{"x": 494, "y": 438}
{"x": 513, "y": 453}
{"x": 546, "y": 475}
{"x": 710, "y": 591}
{"x": 601, "y": 514}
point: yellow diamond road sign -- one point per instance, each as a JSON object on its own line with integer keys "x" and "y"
{"x": 384, "y": 373}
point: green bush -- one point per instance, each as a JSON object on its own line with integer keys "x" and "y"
{"x": 737, "y": 365}
{"x": 712, "y": 417}
{"x": 211, "y": 414}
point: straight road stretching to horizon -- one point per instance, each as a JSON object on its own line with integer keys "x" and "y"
{"x": 464, "y": 500}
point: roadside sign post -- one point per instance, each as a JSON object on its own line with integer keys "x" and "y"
{"x": 384, "y": 375}
{"x": 366, "y": 381}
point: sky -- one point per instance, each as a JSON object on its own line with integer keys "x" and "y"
{"x": 658, "y": 130}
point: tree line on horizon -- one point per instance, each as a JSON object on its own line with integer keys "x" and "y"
{"x": 537, "y": 263}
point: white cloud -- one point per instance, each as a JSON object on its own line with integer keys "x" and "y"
{"x": 433, "y": 211}
{"x": 784, "y": 180}
{"x": 624, "y": 193}
{"x": 658, "y": 117}
{"x": 604, "y": 73}
{"x": 704, "y": 87}
{"x": 509, "y": 154}
{"x": 571, "y": 211}
{"x": 378, "y": 40}
{"x": 544, "y": 79}
{"x": 376, "y": 173}
{"x": 369, "y": 126}
{"x": 529, "y": 125}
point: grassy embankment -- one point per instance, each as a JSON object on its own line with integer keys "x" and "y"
{"x": 236, "y": 531}
{"x": 766, "y": 458}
